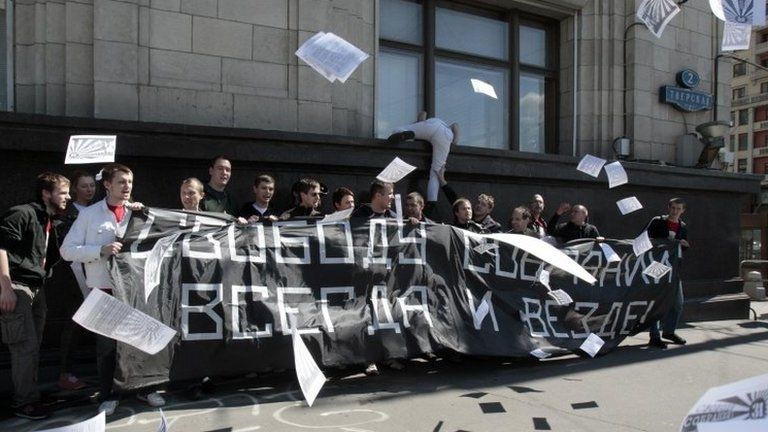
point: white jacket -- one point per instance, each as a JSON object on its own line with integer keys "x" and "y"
{"x": 94, "y": 227}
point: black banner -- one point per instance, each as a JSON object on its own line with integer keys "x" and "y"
{"x": 364, "y": 291}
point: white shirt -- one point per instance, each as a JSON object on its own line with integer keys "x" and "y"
{"x": 94, "y": 227}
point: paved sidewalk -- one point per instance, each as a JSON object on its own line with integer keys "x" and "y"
{"x": 634, "y": 388}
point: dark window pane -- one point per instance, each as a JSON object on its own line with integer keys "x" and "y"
{"x": 471, "y": 34}
{"x": 401, "y": 21}
{"x": 398, "y": 91}
{"x": 533, "y": 46}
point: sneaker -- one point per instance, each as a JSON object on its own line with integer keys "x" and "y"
{"x": 674, "y": 338}
{"x": 371, "y": 369}
{"x": 657, "y": 342}
{"x": 395, "y": 364}
{"x": 71, "y": 382}
{"x": 152, "y": 399}
{"x": 400, "y": 136}
{"x": 32, "y": 411}
{"x": 108, "y": 407}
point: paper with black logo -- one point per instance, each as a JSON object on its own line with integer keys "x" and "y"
{"x": 656, "y": 14}
{"x": 739, "y": 406}
{"x": 87, "y": 149}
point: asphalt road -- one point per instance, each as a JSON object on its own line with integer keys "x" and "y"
{"x": 634, "y": 388}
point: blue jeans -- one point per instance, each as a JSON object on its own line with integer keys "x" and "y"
{"x": 670, "y": 320}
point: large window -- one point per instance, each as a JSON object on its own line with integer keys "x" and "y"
{"x": 739, "y": 93}
{"x": 493, "y": 71}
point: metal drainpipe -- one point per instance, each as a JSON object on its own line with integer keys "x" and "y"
{"x": 575, "y": 80}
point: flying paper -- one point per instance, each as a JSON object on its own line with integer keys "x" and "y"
{"x": 395, "y": 171}
{"x": 103, "y": 314}
{"x": 736, "y": 36}
{"x": 616, "y": 174}
{"x": 750, "y": 12}
{"x": 86, "y": 149}
{"x": 331, "y": 56}
{"x": 591, "y": 165}
{"x": 311, "y": 378}
{"x": 641, "y": 244}
{"x": 656, "y": 270}
{"x": 628, "y": 205}
{"x": 561, "y": 297}
{"x": 483, "y": 87}
{"x": 592, "y": 344}
{"x": 656, "y": 14}
{"x": 609, "y": 253}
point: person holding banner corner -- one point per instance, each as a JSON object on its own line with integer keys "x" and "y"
{"x": 93, "y": 240}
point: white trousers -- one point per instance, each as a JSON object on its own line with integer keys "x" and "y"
{"x": 440, "y": 135}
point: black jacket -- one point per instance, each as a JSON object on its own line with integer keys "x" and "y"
{"x": 657, "y": 228}
{"x": 568, "y": 231}
{"x": 488, "y": 224}
{"x": 365, "y": 211}
{"x": 22, "y": 236}
{"x": 471, "y": 226}
{"x": 300, "y": 212}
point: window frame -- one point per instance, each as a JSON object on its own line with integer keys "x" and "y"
{"x": 514, "y": 18}
{"x": 739, "y": 69}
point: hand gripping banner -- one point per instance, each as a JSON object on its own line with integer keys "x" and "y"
{"x": 368, "y": 290}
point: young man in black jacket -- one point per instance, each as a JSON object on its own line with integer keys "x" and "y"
{"x": 669, "y": 226}
{"x": 25, "y": 233}
{"x": 576, "y": 228}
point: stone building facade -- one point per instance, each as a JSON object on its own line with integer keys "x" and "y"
{"x": 231, "y": 63}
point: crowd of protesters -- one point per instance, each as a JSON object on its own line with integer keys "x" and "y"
{"x": 66, "y": 233}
